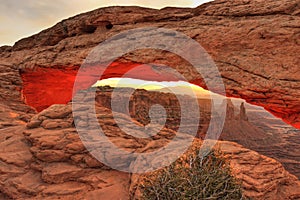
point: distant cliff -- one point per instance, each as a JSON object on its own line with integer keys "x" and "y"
{"x": 273, "y": 139}
{"x": 255, "y": 45}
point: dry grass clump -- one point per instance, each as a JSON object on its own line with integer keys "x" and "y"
{"x": 193, "y": 177}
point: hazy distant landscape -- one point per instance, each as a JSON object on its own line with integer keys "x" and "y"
{"x": 197, "y": 101}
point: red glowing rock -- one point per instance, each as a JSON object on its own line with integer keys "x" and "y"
{"x": 43, "y": 87}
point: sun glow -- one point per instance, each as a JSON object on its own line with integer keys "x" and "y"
{"x": 179, "y": 87}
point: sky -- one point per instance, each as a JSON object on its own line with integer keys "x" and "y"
{"x": 176, "y": 87}
{"x": 23, "y": 18}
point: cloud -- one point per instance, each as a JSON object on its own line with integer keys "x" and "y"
{"x": 22, "y": 18}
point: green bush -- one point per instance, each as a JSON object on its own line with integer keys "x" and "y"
{"x": 193, "y": 177}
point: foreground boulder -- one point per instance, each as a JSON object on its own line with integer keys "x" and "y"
{"x": 255, "y": 45}
{"x": 48, "y": 160}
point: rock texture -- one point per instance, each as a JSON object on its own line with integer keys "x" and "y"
{"x": 55, "y": 86}
{"x": 255, "y": 185}
{"x": 255, "y": 44}
{"x": 47, "y": 160}
{"x": 142, "y": 101}
{"x": 259, "y": 186}
{"x": 254, "y": 128}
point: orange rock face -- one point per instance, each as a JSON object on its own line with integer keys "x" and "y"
{"x": 57, "y": 165}
{"x": 43, "y": 87}
{"x": 255, "y": 45}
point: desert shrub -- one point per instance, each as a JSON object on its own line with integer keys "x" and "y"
{"x": 193, "y": 177}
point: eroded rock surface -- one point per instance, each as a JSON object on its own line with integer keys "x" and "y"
{"x": 257, "y": 184}
{"x": 48, "y": 160}
{"x": 248, "y": 125}
{"x": 255, "y": 45}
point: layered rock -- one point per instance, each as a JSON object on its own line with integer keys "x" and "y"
{"x": 265, "y": 134}
{"x": 51, "y": 162}
{"x": 258, "y": 60}
{"x": 259, "y": 183}
{"x": 175, "y": 111}
{"x": 255, "y": 185}
{"x": 253, "y": 43}
{"x": 55, "y": 86}
{"x": 243, "y": 115}
{"x": 256, "y": 129}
